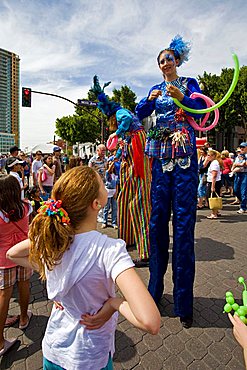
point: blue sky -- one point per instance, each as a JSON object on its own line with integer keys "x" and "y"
{"x": 62, "y": 44}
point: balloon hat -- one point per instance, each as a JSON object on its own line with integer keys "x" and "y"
{"x": 107, "y": 106}
{"x": 240, "y": 311}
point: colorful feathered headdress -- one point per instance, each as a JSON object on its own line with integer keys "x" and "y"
{"x": 180, "y": 48}
{"x": 106, "y": 105}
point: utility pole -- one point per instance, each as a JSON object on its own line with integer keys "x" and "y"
{"x": 102, "y": 131}
{"x": 80, "y": 103}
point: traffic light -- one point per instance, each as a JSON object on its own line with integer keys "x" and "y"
{"x": 26, "y": 97}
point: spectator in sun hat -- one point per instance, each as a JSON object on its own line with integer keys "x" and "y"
{"x": 57, "y": 161}
{"x": 13, "y": 153}
{"x": 15, "y": 166}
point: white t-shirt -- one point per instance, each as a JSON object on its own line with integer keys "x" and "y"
{"x": 214, "y": 166}
{"x": 16, "y": 175}
{"x": 36, "y": 165}
{"x": 82, "y": 282}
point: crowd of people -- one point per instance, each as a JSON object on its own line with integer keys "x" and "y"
{"x": 82, "y": 191}
{"x": 222, "y": 171}
{"x": 146, "y": 179}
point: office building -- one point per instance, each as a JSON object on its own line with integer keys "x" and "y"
{"x": 9, "y": 100}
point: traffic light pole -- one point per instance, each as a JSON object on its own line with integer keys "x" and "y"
{"x": 57, "y": 96}
{"x": 100, "y": 120}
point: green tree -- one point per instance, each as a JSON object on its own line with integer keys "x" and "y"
{"x": 78, "y": 128}
{"x": 125, "y": 97}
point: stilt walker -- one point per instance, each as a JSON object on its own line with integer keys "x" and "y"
{"x": 135, "y": 175}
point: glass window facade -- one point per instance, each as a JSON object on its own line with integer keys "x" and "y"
{"x": 6, "y": 141}
{"x": 9, "y": 102}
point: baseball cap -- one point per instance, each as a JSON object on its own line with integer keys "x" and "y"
{"x": 243, "y": 145}
{"x": 14, "y": 149}
{"x": 56, "y": 148}
{"x": 13, "y": 161}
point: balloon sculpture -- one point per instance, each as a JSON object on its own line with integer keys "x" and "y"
{"x": 240, "y": 311}
{"x": 211, "y": 106}
{"x": 201, "y": 126}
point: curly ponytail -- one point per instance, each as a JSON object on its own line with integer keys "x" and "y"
{"x": 50, "y": 237}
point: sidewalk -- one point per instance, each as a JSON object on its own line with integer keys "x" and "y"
{"x": 220, "y": 259}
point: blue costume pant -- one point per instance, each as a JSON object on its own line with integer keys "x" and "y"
{"x": 176, "y": 190}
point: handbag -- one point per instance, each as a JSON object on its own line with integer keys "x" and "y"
{"x": 215, "y": 202}
{"x": 43, "y": 175}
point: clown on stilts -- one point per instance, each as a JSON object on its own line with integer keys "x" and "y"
{"x": 135, "y": 175}
{"x": 172, "y": 146}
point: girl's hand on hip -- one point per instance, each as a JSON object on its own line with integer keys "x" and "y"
{"x": 93, "y": 322}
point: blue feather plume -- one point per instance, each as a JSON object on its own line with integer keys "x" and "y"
{"x": 180, "y": 48}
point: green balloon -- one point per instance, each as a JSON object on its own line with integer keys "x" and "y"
{"x": 235, "y": 306}
{"x": 227, "y": 307}
{"x": 223, "y": 100}
{"x": 241, "y": 312}
{"x": 230, "y": 300}
{"x": 229, "y": 294}
{"x": 244, "y": 308}
{"x": 243, "y": 319}
{"x": 244, "y": 294}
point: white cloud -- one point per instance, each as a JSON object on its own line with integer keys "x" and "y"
{"x": 62, "y": 44}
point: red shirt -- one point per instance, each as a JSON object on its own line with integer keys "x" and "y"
{"x": 10, "y": 235}
{"x": 227, "y": 166}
